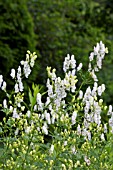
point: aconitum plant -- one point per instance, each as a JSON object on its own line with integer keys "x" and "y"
{"x": 63, "y": 128}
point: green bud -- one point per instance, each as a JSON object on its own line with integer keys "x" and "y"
{"x": 105, "y": 107}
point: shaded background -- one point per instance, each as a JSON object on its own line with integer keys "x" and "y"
{"x": 53, "y": 29}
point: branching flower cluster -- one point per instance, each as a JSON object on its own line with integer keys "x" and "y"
{"x": 65, "y": 127}
{"x": 98, "y": 55}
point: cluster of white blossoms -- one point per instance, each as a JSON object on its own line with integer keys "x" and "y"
{"x": 66, "y": 113}
{"x": 26, "y": 70}
{"x": 57, "y": 90}
{"x": 69, "y": 65}
{"x": 92, "y": 108}
{"x": 17, "y": 107}
{"x": 28, "y": 63}
{"x": 98, "y": 54}
{"x": 19, "y": 85}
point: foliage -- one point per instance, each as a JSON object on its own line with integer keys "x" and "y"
{"x": 65, "y": 131}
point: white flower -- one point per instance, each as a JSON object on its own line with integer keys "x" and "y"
{"x": 93, "y": 75}
{"x": 73, "y": 149}
{"x": 99, "y": 91}
{"x": 11, "y": 108}
{"x": 96, "y": 49}
{"x": 84, "y": 132}
{"x": 12, "y": 73}
{"x": 102, "y": 48}
{"x": 20, "y": 84}
{"x": 87, "y": 107}
{"x": 99, "y": 52}
{"x": 110, "y": 110}
{"x": 65, "y": 143}
{"x": 47, "y": 101}
{"x": 19, "y": 70}
{"x": 4, "y": 86}
{"x": 38, "y": 129}
{"x": 96, "y": 69}
{"x": 28, "y": 113}
{"x": 39, "y": 102}
{"x": 27, "y": 129}
{"x": 111, "y": 121}
{"x": 105, "y": 128}
{"x": 50, "y": 88}
{"x": 27, "y": 69}
{"x": 53, "y": 119}
{"x": 22, "y": 108}
{"x": 80, "y": 94}
{"x": 89, "y": 67}
{"x": 87, "y": 94}
{"x": 22, "y": 62}
{"x": 89, "y": 135}
{"x": 97, "y": 118}
{"x": 32, "y": 62}
{"x": 79, "y": 67}
{"x": 1, "y": 80}
{"x": 15, "y": 114}
{"x": 78, "y": 130}
{"x": 20, "y": 114}
{"x": 53, "y": 75}
{"x": 51, "y": 149}
{"x": 38, "y": 98}
{"x": 21, "y": 87}
{"x": 99, "y": 62}
{"x": 74, "y": 116}
{"x": 103, "y": 87}
{"x": 47, "y": 117}
{"x": 95, "y": 85}
{"x": 72, "y": 62}
{"x": 102, "y": 136}
{"x": 64, "y": 166}
{"x": 44, "y": 129}
{"x": 16, "y": 88}
{"x": 27, "y": 57}
{"x": 69, "y": 62}
{"x": 73, "y": 72}
{"x": 16, "y": 131}
{"x": 35, "y": 107}
{"x": 42, "y": 116}
{"x": 87, "y": 160}
{"x": 91, "y": 57}
{"x": 5, "y": 103}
